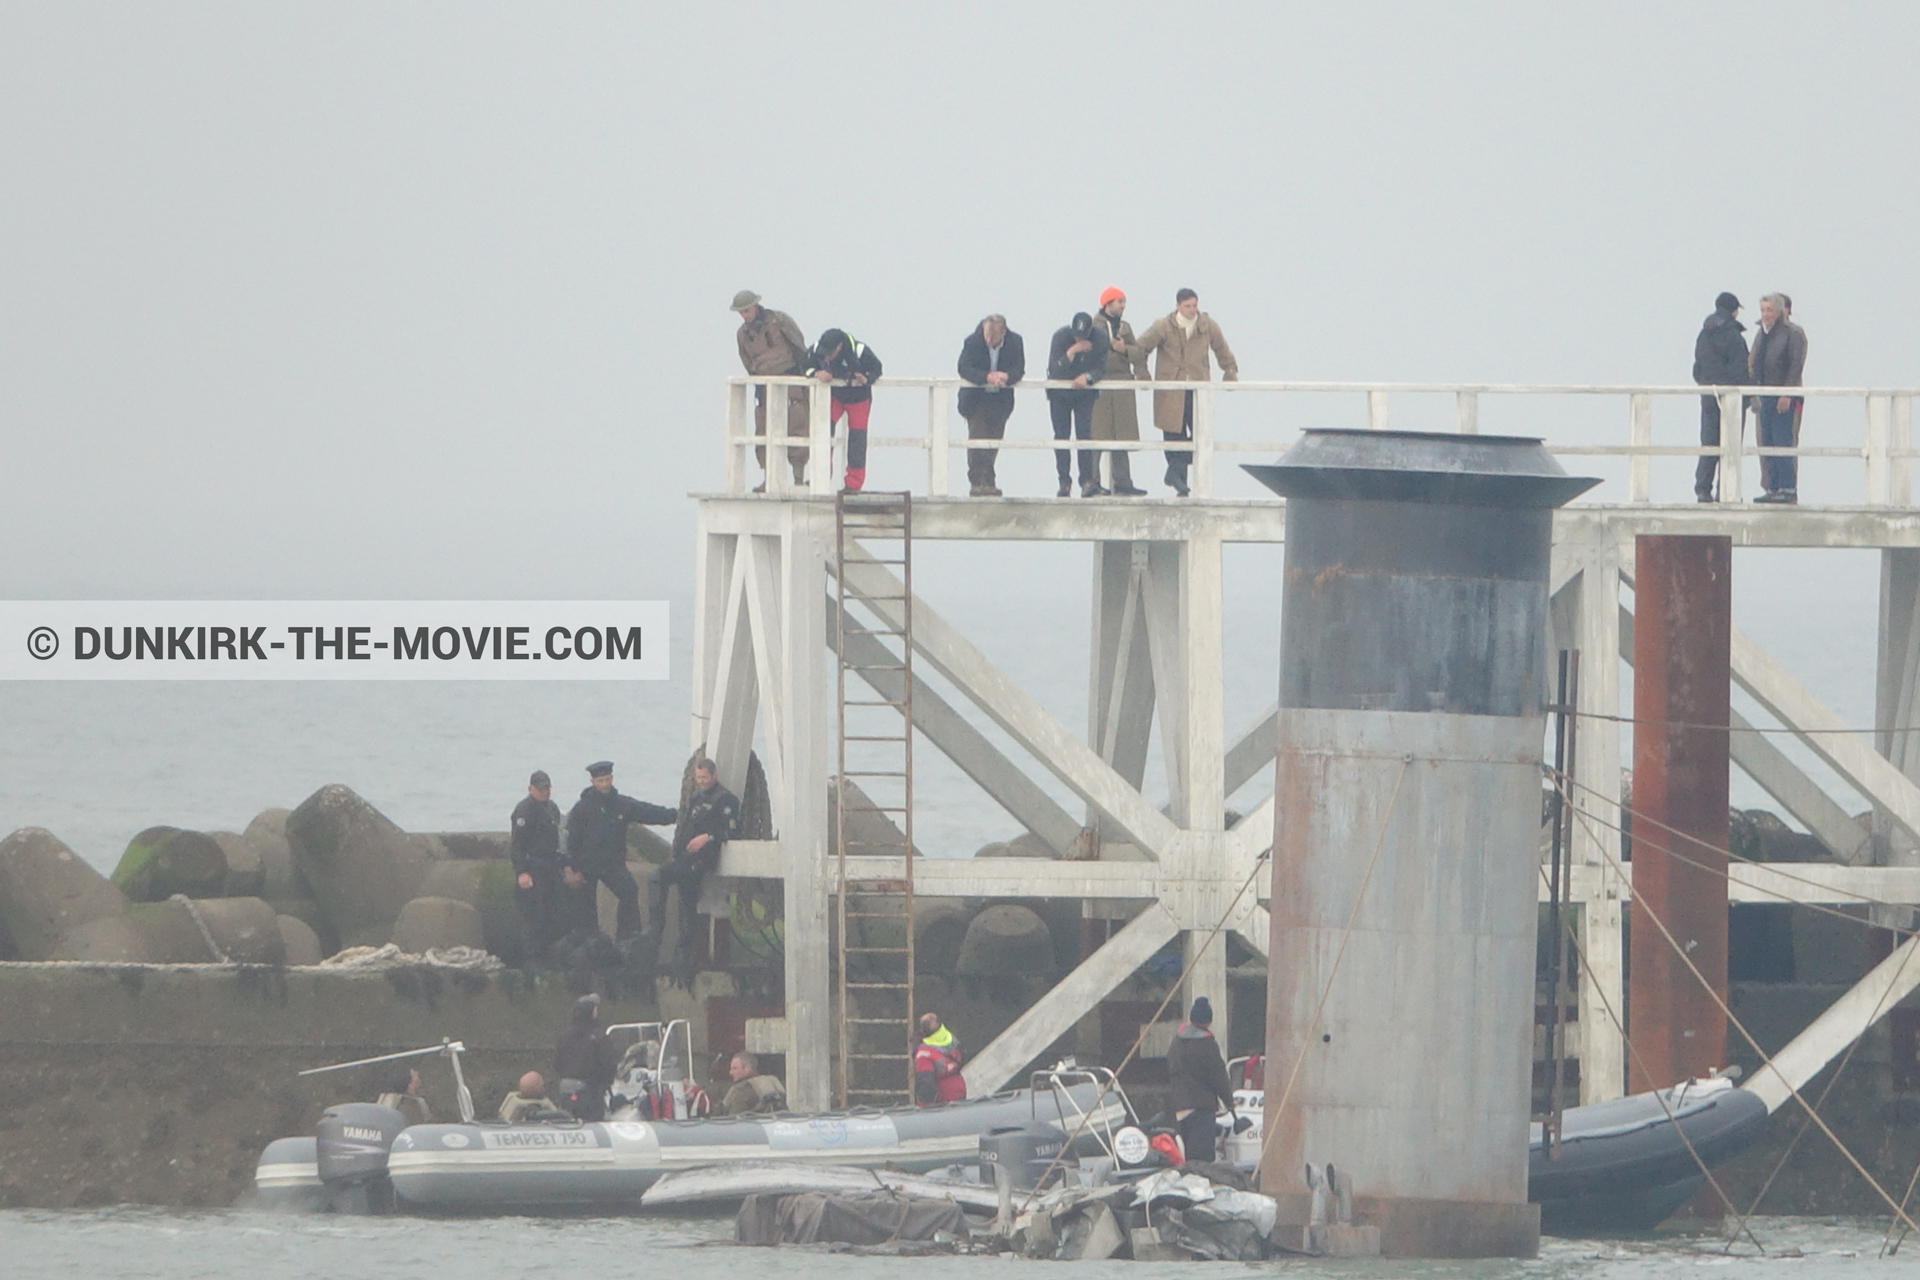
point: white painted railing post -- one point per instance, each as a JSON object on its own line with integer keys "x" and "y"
{"x": 1640, "y": 436}
{"x": 938, "y": 455}
{"x": 1203, "y": 444}
{"x": 738, "y": 417}
{"x": 823, "y": 466}
{"x": 1879, "y": 470}
{"x": 1733, "y": 431}
{"x": 1376, "y": 411}
{"x": 1466, "y": 412}
{"x": 779, "y": 465}
{"x": 1899, "y": 444}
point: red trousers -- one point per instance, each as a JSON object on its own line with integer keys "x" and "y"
{"x": 855, "y": 412}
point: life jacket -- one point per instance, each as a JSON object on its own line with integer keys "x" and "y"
{"x": 939, "y": 1056}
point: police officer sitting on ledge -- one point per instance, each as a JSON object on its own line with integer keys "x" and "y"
{"x": 403, "y": 1094}
{"x": 597, "y": 848}
{"x": 712, "y": 811}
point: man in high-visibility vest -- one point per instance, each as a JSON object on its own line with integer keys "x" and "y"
{"x": 936, "y": 1064}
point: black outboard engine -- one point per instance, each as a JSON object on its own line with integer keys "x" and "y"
{"x": 1025, "y": 1151}
{"x": 351, "y": 1144}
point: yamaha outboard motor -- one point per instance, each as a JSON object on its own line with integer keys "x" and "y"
{"x": 351, "y": 1145}
{"x": 1025, "y": 1151}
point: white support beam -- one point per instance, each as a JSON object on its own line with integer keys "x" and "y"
{"x": 1845, "y": 1021}
{"x": 1002, "y": 1062}
{"x": 1024, "y": 719}
{"x": 735, "y": 691}
{"x": 1896, "y": 675}
{"x": 1254, "y": 750}
{"x": 1769, "y": 767}
{"x": 1826, "y": 735}
{"x": 966, "y": 746}
{"x": 800, "y": 814}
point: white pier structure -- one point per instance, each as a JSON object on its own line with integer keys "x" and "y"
{"x": 762, "y": 674}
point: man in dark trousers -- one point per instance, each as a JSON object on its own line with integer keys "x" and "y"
{"x": 1198, "y": 1075}
{"x": 1779, "y": 359}
{"x": 1719, "y": 360}
{"x": 584, "y": 1063}
{"x": 992, "y": 360}
{"x": 535, "y": 849}
{"x": 597, "y": 847}
{"x": 1075, "y": 358}
{"x": 712, "y": 811}
{"x": 839, "y": 358}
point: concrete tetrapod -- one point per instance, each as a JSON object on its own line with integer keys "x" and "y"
{"x": 359, "y": 863}
{"x": 48, "y": 892}
{"x": 301, "y": 942}
{"x": 163, "y": 861}
{"x": 437, "y": 923}
{"x": 1006, "y": 942}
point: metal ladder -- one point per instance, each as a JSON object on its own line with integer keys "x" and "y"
{"x": 875, "y": 961}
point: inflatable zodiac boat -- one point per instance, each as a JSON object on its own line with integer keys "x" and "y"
{"x": 366, "y": 1158}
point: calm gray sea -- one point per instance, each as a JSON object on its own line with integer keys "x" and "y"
{"x": 97, "y": 762}
{"x": 157, "y": 1245}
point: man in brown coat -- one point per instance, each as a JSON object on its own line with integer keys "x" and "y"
{"x": 772, "y": 344}
{"x": 1184, "y": 339}
{"x": 1115, "y": 416}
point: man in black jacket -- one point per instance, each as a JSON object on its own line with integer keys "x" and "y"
{"x": 584, "y": 1062}
{"x": 1719, "y": 360}
{"x": 597, "y": 846}
{"x": 712, "y": 811}
{"x": 992, "y": 359}
{"x": 1075, "y": 358}
{"x": 535, "y": 849}
{"x": 1197, "y": 1075}
{"x": 839, "y": 358}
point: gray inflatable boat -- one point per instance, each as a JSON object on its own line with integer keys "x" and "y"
{"x": 365, "y": 1158}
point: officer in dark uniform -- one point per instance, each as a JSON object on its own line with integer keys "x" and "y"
{"x": 535, "y": 848}
{"x": 597, "y": 846}
{"x": 712, "y": 811}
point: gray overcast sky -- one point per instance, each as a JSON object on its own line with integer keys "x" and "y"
{"x": 430, "y": 300}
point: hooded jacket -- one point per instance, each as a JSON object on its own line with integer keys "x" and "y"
{"x": 1720, "y": 353}
{"x": 854, "y": 357}
{"x": 1196, "y": 1071}
{"x": 1064, "y": 368}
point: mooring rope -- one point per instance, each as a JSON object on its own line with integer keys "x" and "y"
{"x": 1766, "y": 1059}
{"x": 193, "y": 909}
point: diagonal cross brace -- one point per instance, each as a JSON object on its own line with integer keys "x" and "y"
{"x": 1015, "y": 710}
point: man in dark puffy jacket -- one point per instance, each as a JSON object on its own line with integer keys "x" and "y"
{"x": 1198, "y": 1075}
{"x": 992, "y": 360}
{"x": 840, "y": 358}
{"x": 712, "y": 813}
{"x": 597, "y": 847}
{"x": 1719, "y": 360}
{"x": 535, "y": 848}
{"x": 1076, "y": 358}
{"x": 584, "y": 1062}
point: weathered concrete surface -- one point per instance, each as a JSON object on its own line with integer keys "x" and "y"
{"x": 163, "y": 861}
{"x": 429, "y": 923}
{"x": 301, "y": 943}
{"x": 1006, "y": 941}
{"x": 47, "y": 891}
{"x": 267, "y": 835}
{"x": 246, "y": 876}
{"x": 160, "y": 1085}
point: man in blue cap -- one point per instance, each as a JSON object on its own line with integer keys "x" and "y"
{"x": 597, "y": 847}
{"x": 1198, "y": 1075}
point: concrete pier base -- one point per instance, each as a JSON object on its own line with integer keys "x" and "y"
{"x": 1411, "y": 1227}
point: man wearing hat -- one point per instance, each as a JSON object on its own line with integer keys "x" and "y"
{"x": 1197, "y": 1075}
{"x": 1115, "y": 415}
{"x": 535, "y": 849}
{"x": 771, "y": 344}
{"x": 1719, "y": 360}
{"x": 597, "y": 847}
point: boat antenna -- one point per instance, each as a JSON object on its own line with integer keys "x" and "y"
{"x": 448, "y": 1048}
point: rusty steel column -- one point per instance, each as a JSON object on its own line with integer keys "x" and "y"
{"x": 1683, "y": 607}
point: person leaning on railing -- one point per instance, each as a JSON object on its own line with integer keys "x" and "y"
{"x": 1779, "y": 359}
{"x": 992, "y": 360}
{"x": 1184, "y": 338}
{"x": 1075, "y": 358}
{"x": 771, "y": 344}
{"x": 1719, "y": 360}
{"x": 840, "y": 358}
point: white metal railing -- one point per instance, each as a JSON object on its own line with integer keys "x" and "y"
{"x": 1885, "y": 445}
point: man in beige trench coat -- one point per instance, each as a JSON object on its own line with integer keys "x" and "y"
{"x": 1183, "y": 340}
{"x": 1114, "y": 414}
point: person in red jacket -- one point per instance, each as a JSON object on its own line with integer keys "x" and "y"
{"x": 936, "y": 1065}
